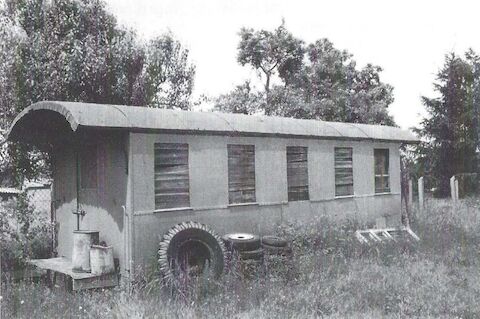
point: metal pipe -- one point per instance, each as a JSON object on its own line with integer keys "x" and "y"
{"x": 126, "y": 253}
{"x": 131, "y": 232}
{"x": 77, "y": 175}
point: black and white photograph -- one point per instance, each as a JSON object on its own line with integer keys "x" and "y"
{"x": 244, "y": 159}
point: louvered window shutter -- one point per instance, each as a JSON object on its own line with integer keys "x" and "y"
{"x": 172, "y": 187}
{"x": 297, "y": 173}
{"x": 343, "y": 171}
{"x": 241, "y": 174}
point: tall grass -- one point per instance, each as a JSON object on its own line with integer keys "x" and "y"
{"x": 330, "y": 276}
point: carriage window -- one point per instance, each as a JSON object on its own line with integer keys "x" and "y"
{"x": 241, "y": 174}
{"x": 382, "y": 177}
{"x": 297, "y": 173}
{"x": 88, "y": 166}
{"x": 172, "y": 187}
{"x": 343, "y": 171}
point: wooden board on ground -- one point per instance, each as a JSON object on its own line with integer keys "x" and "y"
{"x": 377, "y": 235}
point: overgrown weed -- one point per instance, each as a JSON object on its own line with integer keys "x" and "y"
{"x": 330, "y": 275}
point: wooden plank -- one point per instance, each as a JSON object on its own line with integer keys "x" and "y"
{"x": 242, "y": 197}
{"x": 241, "y": 173}
{"x": 171, "y": 176}
{"x": 58, "y": 264}
{"x": 374, "y": 236}
{"x": 297, "y": 173}
{"x": 386, "y": 234}
{"x": 241, "y": 188}
{"x": 172, "y": 201}
{"x": 343, "y": 157}
{"x": 61, "y": 265}
{"x": 103, "y": 281}
{"x": 410, "y": 231}
{"x": 167, "y": 187}
{"x": 360, "y": 237}
{"x": 344, "y": 179}
{"x": 343, "y": 190}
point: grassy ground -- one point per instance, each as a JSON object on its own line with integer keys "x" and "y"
{"x": 332, "y": 276}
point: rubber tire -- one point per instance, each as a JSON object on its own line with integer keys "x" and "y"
{"x": 247, "y": 244}
{"x": 272, "y": 250}
{"x": 274, "y": 241}
{"x": 187, "y": 232}
{"x": 252, "y": 254}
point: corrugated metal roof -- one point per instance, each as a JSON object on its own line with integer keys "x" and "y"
{"x": 142, "y": 118}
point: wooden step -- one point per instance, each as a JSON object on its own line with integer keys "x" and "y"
{"x": 76, "y": 281}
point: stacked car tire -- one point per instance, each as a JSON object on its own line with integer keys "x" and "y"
{"x": 192, "y": 249}
{"x": 245, "y": 252}
{"x": 278, "y": 257}
{"x": 247, "y": 247}
{"x": 273, "y": 245}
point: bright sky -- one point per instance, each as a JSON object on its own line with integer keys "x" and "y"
{"x": 408, "y": 39}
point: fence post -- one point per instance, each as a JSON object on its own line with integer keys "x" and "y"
{"x": 420, "y": 194}
{"x": 457, "y": 195}
{"x": 453, "y": 189}
{"x": 410, "y": 193}
{"x": 1, "y": 277}
{"x": 454, "y": 192}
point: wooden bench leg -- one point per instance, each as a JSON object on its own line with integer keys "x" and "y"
{"x": 49, "y": 279}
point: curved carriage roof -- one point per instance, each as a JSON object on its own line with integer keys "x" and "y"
{"x": 133, "y": 118}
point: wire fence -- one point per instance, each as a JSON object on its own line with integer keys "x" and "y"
{"x": 467, "y": 184}
{"x": 39, "y": 199}
{"x": 427, "y": 189}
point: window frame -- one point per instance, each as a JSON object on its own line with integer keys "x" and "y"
{"x": 250, "y": 168}
{"x": 338, "y": 184}
{"x": 172, "y": 169}
{"x": 290, "y": 188}
{"x": 381, "y": 175}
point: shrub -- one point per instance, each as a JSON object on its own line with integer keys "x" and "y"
{"x": 25, "y": 234}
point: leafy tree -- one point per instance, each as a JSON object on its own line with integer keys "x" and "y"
{"x": 241, "y": 100}
{"x": 335, "y": 90}
{"x": 289, "y": 102}
{"x": 370, "y": 98}
{"x": 277, "y": 52}
{"x": 320, "y": 82}
{"x": 168, "y": 74}
{"x": 474, "y": 60}
{"x": 448, "y": 133}
{"x": 74, "y": 50}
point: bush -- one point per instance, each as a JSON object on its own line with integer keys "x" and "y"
{"x": 25, "y": 234}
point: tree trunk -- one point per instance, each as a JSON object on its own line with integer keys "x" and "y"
{"x": 267, "y": 93}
